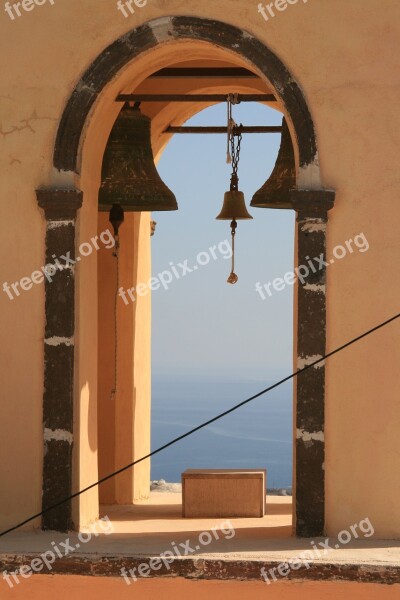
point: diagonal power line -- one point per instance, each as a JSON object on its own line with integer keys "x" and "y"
{"x": 205, "y": 424}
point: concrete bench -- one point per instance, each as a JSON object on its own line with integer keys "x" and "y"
{"x": 223, "y": 493}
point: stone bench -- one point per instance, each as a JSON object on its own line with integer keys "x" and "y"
{"x": 223, "y": 493}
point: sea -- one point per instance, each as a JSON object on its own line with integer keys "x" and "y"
{"x": 257, "y": 435}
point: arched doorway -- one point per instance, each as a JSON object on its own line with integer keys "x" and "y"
{"x": 82, "y": 135}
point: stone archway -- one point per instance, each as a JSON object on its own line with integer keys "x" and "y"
{"x": 148, "y": 36}
{"x": 309, "y": 200}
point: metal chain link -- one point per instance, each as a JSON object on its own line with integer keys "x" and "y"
{"x": 235, "y": 153}
{"x": 231, "y": 100}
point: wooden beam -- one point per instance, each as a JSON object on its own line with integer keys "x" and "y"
{"x": 210, "y": 130}
{"x": 204, "y": 72}
{"x": 193, "y": 98}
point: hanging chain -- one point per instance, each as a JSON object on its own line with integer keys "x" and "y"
{"x": 231, "y": 100}
{"x": 116, "y": 255}
{"x": 235, "y": 152}
{"x": 230, "y": 123}
{"x": 233, "y": 156}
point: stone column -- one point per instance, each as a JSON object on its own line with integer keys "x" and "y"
{"x": 312, "y": 215}
{"x": 60, "y": 209}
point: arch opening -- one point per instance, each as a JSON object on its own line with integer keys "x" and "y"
{"x": 81, "y": 139}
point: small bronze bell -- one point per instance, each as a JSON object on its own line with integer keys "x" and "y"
{"x": 275, "y": 191}
{"x": 129, "y": 176}
{"x": 234, "y": 207}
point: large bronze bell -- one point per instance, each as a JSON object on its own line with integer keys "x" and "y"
{"x": 129, "y": 176}
{"x": 275, "y": 191}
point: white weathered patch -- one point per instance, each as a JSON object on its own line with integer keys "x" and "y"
{"x": 161, "y": 28}
{"x": 308, "y": 360}
{"x": 315, "y": 287}
{"x": 56, "y": 224}
{"x": 83, "y": 86}
{"x": 306, "y": 436}
{"x": 280, "y": 89}
{"x": 309, "y": 176}
{"x": 59, "y": 435}
{"x": 58, "y": 341}
{"x": 247, "y": 36}
{"x": 313, "y": 225}
{"x": 62, "y": 179}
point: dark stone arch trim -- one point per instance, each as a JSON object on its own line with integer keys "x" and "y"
{"x": 60, "y": 208}
{"x": 312, "y": 208}
{"x": 106, "y": 66}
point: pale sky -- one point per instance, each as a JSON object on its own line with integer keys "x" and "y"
{"x": 202, "y": 326}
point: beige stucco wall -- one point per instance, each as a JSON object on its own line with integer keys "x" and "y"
{"x": 344, "y": 56}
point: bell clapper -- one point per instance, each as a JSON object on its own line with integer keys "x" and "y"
{"x": 116, "y": 218}
{"x": 233, "y": 278}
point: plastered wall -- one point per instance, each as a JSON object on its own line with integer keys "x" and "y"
{"x": 345, "y": 57}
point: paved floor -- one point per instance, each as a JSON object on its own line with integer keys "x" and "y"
{"x": 155, "y": 526}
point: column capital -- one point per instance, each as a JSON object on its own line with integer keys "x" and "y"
{"x": 312, "y": 203}
{"x": 59, "y": 204}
